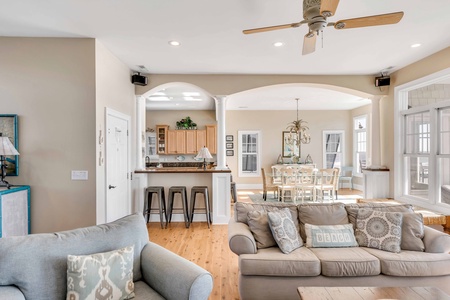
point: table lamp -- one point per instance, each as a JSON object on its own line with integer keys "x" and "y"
{"x": 204, "y": 153}
{"x": 6, "y": 148}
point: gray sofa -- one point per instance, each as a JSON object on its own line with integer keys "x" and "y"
{"x": 34, "y": 267}
{"x": 268, "y": 273}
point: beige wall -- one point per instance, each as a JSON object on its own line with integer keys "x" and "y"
{"x": 273, "y": 123}
{"x": 59, "y": 87}
{"x": 50, "y": 84}
{"x": 170, "y": 117}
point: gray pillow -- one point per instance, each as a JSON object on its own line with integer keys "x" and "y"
{"x": 379, "y": 230}
{"x": 321, "y": 214}
{"x": 241, "y": 210}
{"x": 412, "y": 232}
{"x": 258, "y": 221}
{"x": 284, "y": 231}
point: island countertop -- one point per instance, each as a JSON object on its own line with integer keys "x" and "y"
{"x": 180, "y": 170}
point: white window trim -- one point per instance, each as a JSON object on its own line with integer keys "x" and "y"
{"x": 324, "y": 156}
{"x": 400, "y": 106}
{"x": 355, "y": 163}
{"x": 258, "y": 160}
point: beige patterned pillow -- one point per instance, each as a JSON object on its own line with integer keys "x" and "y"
{"x": 102, "y": 276}
{"x": 379, "y": 230}
{"x": 284, "y": 231}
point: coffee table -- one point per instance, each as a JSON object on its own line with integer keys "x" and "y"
{"x": 371, "y": 293}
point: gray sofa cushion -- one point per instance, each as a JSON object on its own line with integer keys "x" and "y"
{"x": 352, "y": 209}
{"x": 241, "y": 210}
{"x": 347, "y": 262}
{"x": 258, "y": 222}
{"x": 412, "y": 263}
{"x": 273, "y": 262}
{"x": 412, "y": 232}
{"x": 321, "y": 214}
{"x": 37, "y": 263}
{"x": 144, "y": 292}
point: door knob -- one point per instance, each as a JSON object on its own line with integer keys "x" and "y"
{"x": 112, "y": 187}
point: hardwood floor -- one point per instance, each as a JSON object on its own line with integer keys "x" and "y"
{"x": 208, "y": 248}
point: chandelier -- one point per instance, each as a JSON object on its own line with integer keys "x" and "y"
{"x": 298, "y": 130}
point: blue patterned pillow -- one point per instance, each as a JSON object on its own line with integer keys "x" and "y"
{"x": 284, "y": 230}
{"x": 379, "y": 230}
{"x": 107, "y": 275}
{"x": 330, "y": 236}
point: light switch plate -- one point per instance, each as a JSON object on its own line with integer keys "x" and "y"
{"x": 79, "y": 175}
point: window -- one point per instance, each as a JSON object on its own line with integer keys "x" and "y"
{"x": 360, "y": 143}
{"x": 333, "y": 150}
{"x": 249, "y": 153}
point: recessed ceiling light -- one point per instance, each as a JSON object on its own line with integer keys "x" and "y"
{"x": 415, "y": 45}
{"x": 278, "y": 44}
{"x": 174, "y": 43}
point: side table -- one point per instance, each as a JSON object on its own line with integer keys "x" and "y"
{"x": 15, "y": 211}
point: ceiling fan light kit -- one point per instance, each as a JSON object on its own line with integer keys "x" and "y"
{"x": 315, "y": 14}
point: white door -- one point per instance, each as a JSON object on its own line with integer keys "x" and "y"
{"x": 117, "y": 166}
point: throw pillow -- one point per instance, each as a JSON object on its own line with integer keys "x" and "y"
{"x": 107, "y": 275}
{"x": 379, "y": 230}
{"x": 412, "y": 232}
{"x": 258, "y": 221}
{"x": 330, "y": 236}
{"x": 284, "y": 231}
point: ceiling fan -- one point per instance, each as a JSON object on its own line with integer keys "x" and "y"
{"x": 315, "y": 14}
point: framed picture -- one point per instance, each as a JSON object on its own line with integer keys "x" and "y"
{"x": 229, "y": 145}
{"x": 290, "y": 149}
{"x": 8, "y": 128}
{"x": 229, "y": 138}
{"x": 230, "y": 152}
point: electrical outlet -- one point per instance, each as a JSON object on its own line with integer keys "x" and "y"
{"x": 79, "y": 175}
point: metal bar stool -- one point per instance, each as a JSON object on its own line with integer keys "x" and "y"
{"x": 200, "y": 190}
{"x": 183, "y": 193}
{"x": 159, "y": 191}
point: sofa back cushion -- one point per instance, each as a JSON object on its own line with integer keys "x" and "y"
{"x": 321, "y": 214}
{"x": 37, "y": 263}
{"x": 353, "y": 208}
{"x": 241, "y": 210}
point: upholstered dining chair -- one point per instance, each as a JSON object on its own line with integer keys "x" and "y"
{"x": 346, "y": 175}
{"x": 268, "y": 185}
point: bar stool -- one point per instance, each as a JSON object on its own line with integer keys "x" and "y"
{"x": 184, "y": 203}
{"x": 200, "y": 190}
{"x": 159, "y": 191}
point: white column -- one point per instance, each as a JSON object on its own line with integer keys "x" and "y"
{"x": 221, "y": 128}
{"x": 375, "y": 145}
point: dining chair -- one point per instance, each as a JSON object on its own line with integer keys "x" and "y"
{"x": 306, "y": 179}
{"x": 326, "y": 182}
{"x": 276, "y": 173}
{"x": 288, "y": 184}
{"x": 346, "y": 175}
{"x": 268, "y": 185}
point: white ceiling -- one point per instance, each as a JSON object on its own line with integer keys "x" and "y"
{"x": 212, "y": 42}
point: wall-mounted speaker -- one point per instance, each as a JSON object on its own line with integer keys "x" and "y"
{"x": 138, "y": 79}
{"x": 382, "y": 81}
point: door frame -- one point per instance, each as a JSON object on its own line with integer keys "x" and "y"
{"x": 113, "y": 113}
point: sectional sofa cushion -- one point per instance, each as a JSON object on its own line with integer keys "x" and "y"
{"x": 273, "y": 262}
{"x": 379, "y": 230}
{"x": 258, "y": 221}
{"x": 321, "y": 214}
{"x": 342, "y": 262}
{"x": 241, "y": 210}
{"x": 352, "y": 209}
{"x": 412, "y": 263}
{"x": 284, "y": 231}
{"x": 330, "y": 236}
{"x": 412, "y": 232}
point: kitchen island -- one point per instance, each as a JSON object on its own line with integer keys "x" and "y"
{"x": 217, "y": 181}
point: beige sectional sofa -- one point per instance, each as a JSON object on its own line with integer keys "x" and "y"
{"x": 265, "y": 272}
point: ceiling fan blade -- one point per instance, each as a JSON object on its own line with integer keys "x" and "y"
{"x": 276, "y": 27}
{"x": 309, "y": 43}
{"x": 376, "y": 20}
{"x": 328, "y": 7}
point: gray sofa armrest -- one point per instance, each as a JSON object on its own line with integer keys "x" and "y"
{"x": 240, "y": 238}
{"x": 436, "y": 241}
{"x": 172, "y": 276}
{"x": 11, "y": 293}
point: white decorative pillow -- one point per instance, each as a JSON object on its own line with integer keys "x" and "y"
{"x": 330, "y": 236}
{"x": 107, "y": 275}
{"x": 284, "y": 230}
{"x": 379, "y": 230}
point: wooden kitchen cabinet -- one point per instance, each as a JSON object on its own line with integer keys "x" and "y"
{"x": 176, "y": 140}
{"x": 161, "y": 138}
{"x": 191, "y": 142}
{"x": 185, "y": 141}
{"x": 211, "y": 138}
{"x": 201, "y": 140}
